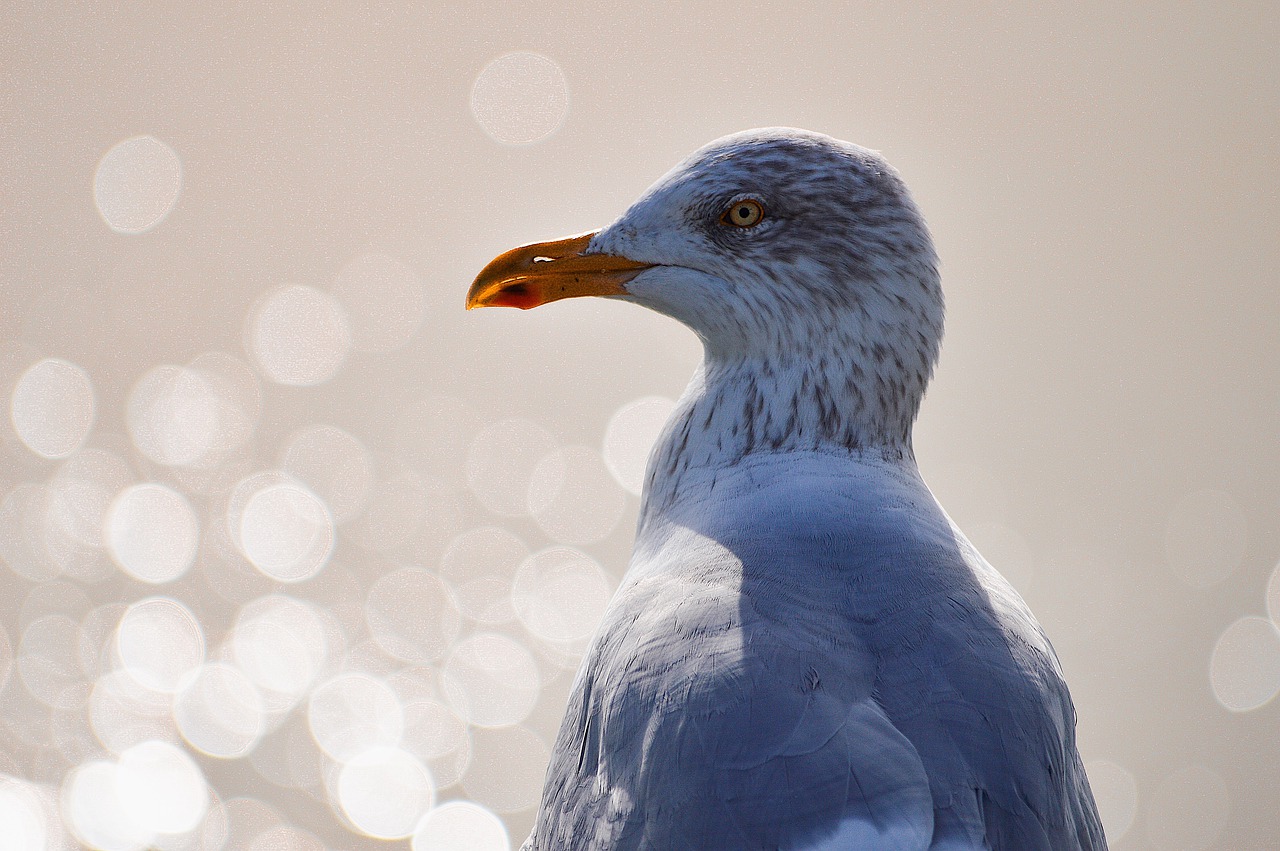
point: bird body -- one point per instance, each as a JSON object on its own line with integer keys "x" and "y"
{"x": 805, "y": 640}
{"x": 805, "y": 653}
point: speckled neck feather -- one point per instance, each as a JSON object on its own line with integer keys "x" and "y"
{"x": 821, "y": 326}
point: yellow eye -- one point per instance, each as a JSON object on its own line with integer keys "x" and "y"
{"x": 743, "y": 214}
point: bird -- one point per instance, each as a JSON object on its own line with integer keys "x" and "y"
{"x": 805, "y": 653}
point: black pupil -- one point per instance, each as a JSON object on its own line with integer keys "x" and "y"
{"x": 744, "y": 212}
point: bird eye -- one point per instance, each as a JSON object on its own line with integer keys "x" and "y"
{"x": 743, "y": 214}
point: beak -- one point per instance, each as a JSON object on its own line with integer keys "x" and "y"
{"x": 535, "y": 274}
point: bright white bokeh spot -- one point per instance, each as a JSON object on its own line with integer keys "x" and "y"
{"x": 352, "y": 713}
{"x": 152, "y": 533}
{"x": 385, "y": 791}
{"x": 52, "y": 408}
{"x": 501, "y": 461}
{"x": 335, "y": 465}
{"x": 286, "y": 532}
{"x": 507, "y": 768}
{"x": 93, "y": 805}
{"x": 159, "y": 642}
{"x": 1116, "y": 793}
{"x": 480, "y": 565}
{"x": 23, "y": 824}
{"x": 219, "y": 711}
{"x": 1205, "y": 538}
{"x": 629, "y": 437}
{"x": 573, "y": 497}
{"x": 1244, "y": 670}
{"x": 491, "y": 681}
{"x": 560, "y": 594}
{"x": 280, "y": 645}
{"x": 174, "y": 416}
{"x": 136, "y": 184}
{"x": 1188, "y": 810}
{"x": 161, "y": 788}
{"x": 412, "y": 615}
{"x": 461, "y": 826}
{"x": 299, "y": 336}
{"x": 384, "y": 300}
{"x": 520, "y": 98}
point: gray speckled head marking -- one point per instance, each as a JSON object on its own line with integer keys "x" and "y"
{"x": 821, "y": 324}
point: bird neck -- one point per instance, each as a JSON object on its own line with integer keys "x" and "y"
{"x": 738, "y": 406}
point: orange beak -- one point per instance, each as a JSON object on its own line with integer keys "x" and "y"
{"x": 535, "y": 274}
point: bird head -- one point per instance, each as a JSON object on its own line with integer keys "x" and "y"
{"x": 762, "y": 242}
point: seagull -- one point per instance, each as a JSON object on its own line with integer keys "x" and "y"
{"x": 805, "y": 653}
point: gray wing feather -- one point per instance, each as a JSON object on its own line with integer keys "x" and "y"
{"x": 801, "y": 680}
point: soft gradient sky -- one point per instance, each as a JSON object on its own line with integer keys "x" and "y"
{"x": 280, "y": 519}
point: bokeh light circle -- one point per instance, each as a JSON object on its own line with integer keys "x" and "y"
{"x": 52, "y": 408}
{"x": 299, "y": 336}
{"x": 629, "y": 437}
{"x": 152, "y": 533}
{"x": 384, "y": 791}
{"x": 286, "y": 532}
{"x": 161, "y": 788}
{"x": 334, "y": 464}
{"x": 279, "y": 643}
{"x": 437, "y": 736}
{"x": 560, "y": 594}
{"x": 352, "y": 713}
{"x": 124, "y": 713}
{"x": 573, "y": 497}
{"x": 82, "y": 491}
{"x": 1244, "y": 670}
{"x": 480, "y": 565}
{"x": 159, "y": 642}
{"x": 461, "y": 826}
{"x": 219, "y": 711}
{"x": 23, "y": 821}
{"x": 136, "y": 184}
{"x": 520, "y": 98}
{"x": 491, "y": 681}
{"x": 174, "y": 415}
{"x": 93, "y": 805}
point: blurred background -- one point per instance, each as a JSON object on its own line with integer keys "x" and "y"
{"x": 298, "y": 554}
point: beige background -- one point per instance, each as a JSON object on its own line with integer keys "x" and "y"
{"x": 1100, "y": 179}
